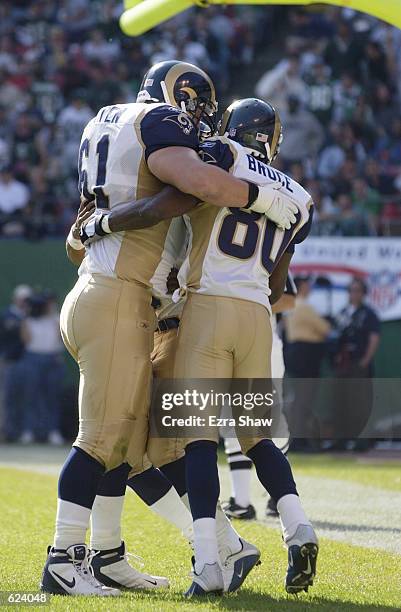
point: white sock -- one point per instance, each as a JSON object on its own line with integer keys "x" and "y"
{"x": 241, "y": 486}
{"x": 227, "y": 538}
{"x": 172, "y": 508}
{"x": 72, "y": 522}
{"x": 205, "y": 543}
{"x": 291, "y": 515}
{"x": 106, "y": 522}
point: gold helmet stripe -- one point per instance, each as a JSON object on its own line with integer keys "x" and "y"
{"x": 178, "y": 70}
{"x": 226, "y": 117}
{"x": 276, "y": 134}
{"x": 224, "y": 121}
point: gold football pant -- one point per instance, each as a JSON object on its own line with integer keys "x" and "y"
{"x": 107, "y": 325}
{"x": 163, "y": 354}
{"x": 164, "y": 450}
{"x": 224, "y": 338}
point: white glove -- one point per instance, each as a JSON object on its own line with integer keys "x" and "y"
{"x": 282, "y": 212}
{"x": 95, "y": 228}
{"x": 277, "y": 207}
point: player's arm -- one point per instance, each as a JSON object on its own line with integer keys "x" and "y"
{"x": 280, "y": 275}
{"x": 278, "y": 278}
{"x": 182, "y": 167}
{"x": 167, "y": 204}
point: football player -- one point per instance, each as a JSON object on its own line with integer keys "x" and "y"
{"x": 129, "y": 152}
{"x": 236, "y": 255}
{"x": 164, "y": 489}
{"x": 252, "y": 255}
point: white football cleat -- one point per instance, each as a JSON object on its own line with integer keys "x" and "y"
{"x": 67, "y": 572}
{"x": 111, "y": 567}
{"x": 236, "y": 566}
{"x": 208, "y": 582}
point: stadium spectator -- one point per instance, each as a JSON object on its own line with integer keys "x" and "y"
{"x": 14, "y": 197}
{"x": 98, "y": 48}
{"x": 349, "y": 221}
{"x": 346, "y": 94}
{"x": 325, "y": 210}
{"x": 25, "y": 152}
{"x": 368, "y": 201}
{"x": 4, "y": 153}
{"x": 344, "y": 51}
{"x": 320, "y": 92}
{"x": 332, "y": 156}
{"x": 11, "y": 351}
{"x": 303, "y": 133}
{"x": 359, "y": 336}
{"x": 43, "y": 370}
{"x": 71, "y": 121}
{"x": 283, "y": 81}
{"x": 378, "y": 180}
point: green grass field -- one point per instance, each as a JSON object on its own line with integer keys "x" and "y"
{"x": 350, "y": 577}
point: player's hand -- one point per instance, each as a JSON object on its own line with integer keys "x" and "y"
{"x": 276, "y": 205}
{"x": 95, "y": 228}
{"x": 85, "y": 211}
{"x": 282, "y": 212}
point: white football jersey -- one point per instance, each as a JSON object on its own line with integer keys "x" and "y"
{"x": 114, "y": 149}
{"x": 232, "y": 252}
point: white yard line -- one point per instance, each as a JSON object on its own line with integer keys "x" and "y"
{"x": 341, "y": 510}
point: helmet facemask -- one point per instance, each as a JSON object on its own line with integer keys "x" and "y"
{"x": 202, "y": 111}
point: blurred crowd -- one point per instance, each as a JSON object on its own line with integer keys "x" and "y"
{"x": 59, "y": 63}
{"x": 337, "y": 86}
{"x": 32, "y": 367}
{"x": 338, "y": 89}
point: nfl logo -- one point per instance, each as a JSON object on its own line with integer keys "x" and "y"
{"x": 384, "y": 289}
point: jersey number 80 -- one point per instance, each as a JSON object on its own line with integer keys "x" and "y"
{"x": 274, "y": 240}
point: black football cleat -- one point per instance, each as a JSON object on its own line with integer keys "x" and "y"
{"x": 302, "y": 556}
{"x": 243, "y": 513}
